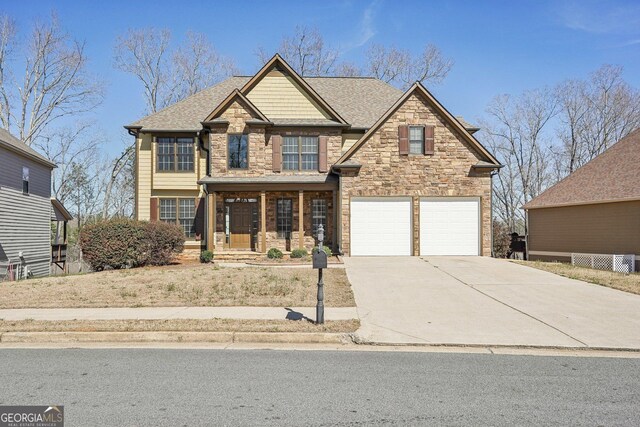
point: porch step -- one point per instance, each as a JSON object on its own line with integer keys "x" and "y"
{"x": 238, "y": 256}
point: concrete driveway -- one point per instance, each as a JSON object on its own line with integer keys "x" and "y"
{"x": 486, "y": 301}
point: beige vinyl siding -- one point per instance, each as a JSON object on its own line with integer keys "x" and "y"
{"x": 605, "y": 228}
{"x": 348, "y": 139}
{"x": 25, "y": 226}
{"x": 278, "y": 97}
{"x": 177, "y": 180}
{"x": 144, "y": 165}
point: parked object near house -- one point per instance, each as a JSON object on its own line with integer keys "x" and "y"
{"x": 261, "y": 161}
{"x": 593, "y": 211}
{"x": 25, "y": 210}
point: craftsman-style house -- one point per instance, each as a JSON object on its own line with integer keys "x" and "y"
{"x": 259, "y": 162}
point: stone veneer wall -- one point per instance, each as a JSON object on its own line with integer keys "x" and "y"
{"x": 272, "y": 236}
{"x": 447, "y": 173}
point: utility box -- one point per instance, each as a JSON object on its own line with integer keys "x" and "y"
{"x": 319, "y": 258}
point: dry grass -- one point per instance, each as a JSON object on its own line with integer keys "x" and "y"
{"x": 200, "y": 285}
{"x": 623, "y": 282}
{"x": 180, "y": 325}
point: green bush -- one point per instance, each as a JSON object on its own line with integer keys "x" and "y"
{"x": 121, "y": 243}
{"x": 163, "y": 242}
{"x": 327, "y": 250}
{"x": 299, "y": 253}
{"x": 206, "y": 256}
{"x": 274, "y": 253}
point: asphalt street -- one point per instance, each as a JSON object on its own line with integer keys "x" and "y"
{"x": 150, "y": 387}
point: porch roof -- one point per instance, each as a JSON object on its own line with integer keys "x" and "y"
{"x": 272, "y": 182}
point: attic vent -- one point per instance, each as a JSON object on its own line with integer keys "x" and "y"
{"x": 618, "y": 263}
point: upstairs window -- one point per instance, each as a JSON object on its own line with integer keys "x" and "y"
{"x": 238, "y": 151}
{"x": 416, "y": 140}
{"x": 300, "y": 153}
{"x": 175, "y": 154}
{"x": 25, "y": 180}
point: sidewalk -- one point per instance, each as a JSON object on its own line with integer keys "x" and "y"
{"x": 161, "y": 313}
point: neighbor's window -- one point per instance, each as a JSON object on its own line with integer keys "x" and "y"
{"x": 416, "y": 140}
{"x": 25, "y": 180}
{"x": 181, "y": 212}
{"x": 319, "y": 215}
{"x": 284, "y": 218}
{"x": 238, "y": 151}
{"x": 175, "y": 154}
{"x": 300, "y": 153}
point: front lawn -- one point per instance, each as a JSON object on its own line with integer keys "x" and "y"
{"x": 178, "y": 325}
{"x": 610, "y": 279}
{"x": 201, "y": 285}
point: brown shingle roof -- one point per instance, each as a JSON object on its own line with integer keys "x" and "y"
{"x": 360, "y": 101}
{"x": 14, "y": 144}
{"x": 612, "y": 176}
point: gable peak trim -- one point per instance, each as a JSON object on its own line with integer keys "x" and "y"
{"x": 235, "y": 94}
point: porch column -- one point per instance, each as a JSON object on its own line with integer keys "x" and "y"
{"x": 211, "y": 228}
{"x": 263, "y": 221}
{"x": 301, "y": 219}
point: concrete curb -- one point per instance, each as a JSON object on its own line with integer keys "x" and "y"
{"x": 172, "y": 336}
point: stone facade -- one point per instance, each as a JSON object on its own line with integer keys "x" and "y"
{"x": 448, "y": 172}
{"x": 273, "y": 241}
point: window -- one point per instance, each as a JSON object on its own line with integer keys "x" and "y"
{"x": 187, "y": 215}
{"x": 25, "y": 180}
{"x": 181, "y": 212}
{"x": 300, "y": 153}
{"x": 175, "y": 154}
{"x": 319, "y": 215}
{"x": 284, "y": 218}
{"x": 238, "y": 151}
{"x": 416, "y": 140}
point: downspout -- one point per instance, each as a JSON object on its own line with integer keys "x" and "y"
{"x": 205, "y": 131}
{"x": 205, "y": 188}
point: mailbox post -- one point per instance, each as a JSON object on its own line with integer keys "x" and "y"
{"x": 319, "y": 258}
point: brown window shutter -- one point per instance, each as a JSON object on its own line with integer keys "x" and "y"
{"x": 199, "y": 220}
{"x": 429, "y": 132}
{"x": 154, "y": 209}
{"x": 322, "y": 153}
{"x": 276, "y": 145}
{"x": 403, "y": 140}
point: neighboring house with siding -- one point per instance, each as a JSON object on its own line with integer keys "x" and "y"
{"x": 25, "y": 207}
{"x": 594, "y": 210}
{"x": 260, "y": 161}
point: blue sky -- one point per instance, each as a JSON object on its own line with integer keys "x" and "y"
{"x": 498, "y": 46}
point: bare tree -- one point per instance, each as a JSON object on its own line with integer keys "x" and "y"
{"x": 168, "y": 77}
{"x": 516, "y": 133}
{"x": 347, "y": 69}
{"x": 399, "y": 67}
{"x": 306, "y": 52}
{"x": 55, "y": 83}
{"x": 118, "y": 178}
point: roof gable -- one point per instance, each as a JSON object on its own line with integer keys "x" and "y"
{"x": 278, "y": 75}
{"x": 448, "y": 117}
{"x": 233, "y": 96}
{"x": 613, "y": 176}
{"x": 12, "y": 143}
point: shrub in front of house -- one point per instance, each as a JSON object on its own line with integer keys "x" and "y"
{"x": 274, "y": 253}
{"x": 163, "y": 241}
{"x": 299, "y": 253}
{"x": 327, "y": 250}
{"x": 206, "y": 256}
{"x": 122, "y": 243}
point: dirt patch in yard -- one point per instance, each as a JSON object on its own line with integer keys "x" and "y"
{"x": 200, "y": 285}
{"x": 181, "y": 325}
{"x": 623, "y": 282}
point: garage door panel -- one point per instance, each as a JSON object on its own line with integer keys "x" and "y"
{"x": 449, "y": 226}
{"x": 380, "y": 226}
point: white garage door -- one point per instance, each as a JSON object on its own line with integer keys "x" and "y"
{"x": 380, "y": 226}
{"x": 450, "y": 226}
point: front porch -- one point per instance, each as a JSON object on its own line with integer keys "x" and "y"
{"x": 249, "y": 214}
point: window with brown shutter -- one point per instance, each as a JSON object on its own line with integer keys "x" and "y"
{"x": 322, "y": 154}
{"x": 403, "y": 140}
{"x": 429, "y": 137}
{"x": 276, "y": 145}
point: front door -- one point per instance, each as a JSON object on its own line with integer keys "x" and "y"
{"x": 240, "y": 227}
